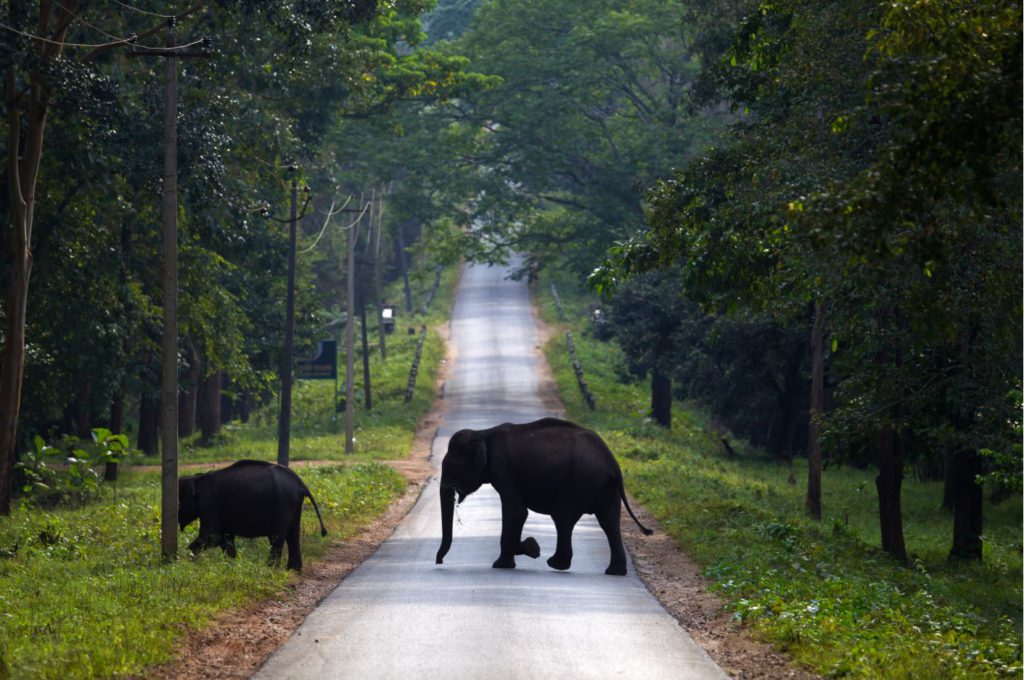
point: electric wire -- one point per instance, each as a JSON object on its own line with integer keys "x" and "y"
{"x": 90, "y": 25}
{"x": 30, "y": 36}
{"x": 330, "y": 213}
{"x": 130, "y": 40}
{"x": 142, "y": 11}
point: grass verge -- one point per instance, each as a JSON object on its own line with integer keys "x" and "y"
{"x": 84, "y": 591}
{"x": 822, "y": 591}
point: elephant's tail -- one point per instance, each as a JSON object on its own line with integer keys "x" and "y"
{"x": 622, "y": 492}
{"x": 323, "y": 529}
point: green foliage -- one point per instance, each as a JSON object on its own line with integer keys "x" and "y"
{"x": 594, "y": 103}
{"x": 68, "y": 471}
{"x": 85, "y": 593}
{"x": 822, "y": 591}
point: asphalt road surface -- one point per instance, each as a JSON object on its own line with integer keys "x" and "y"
{"x": 401, "y": 616}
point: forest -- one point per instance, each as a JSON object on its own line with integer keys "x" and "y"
{"x": 802, "y": 218}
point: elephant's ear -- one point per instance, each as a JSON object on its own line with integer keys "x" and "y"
{"x": 479, "y": 449}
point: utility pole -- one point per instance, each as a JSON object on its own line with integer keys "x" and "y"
{"x": 367, "y": 389}
{"x": 169, "y": 340}
{"x": 381, "y": 333}
{"x": 169, "y": 380}
{"x": 350, "y": 339}
{"x": 284, "y": 424}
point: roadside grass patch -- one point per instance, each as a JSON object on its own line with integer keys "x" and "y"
{"x": 85, "y": 593}
{"x": 823, "y": 591}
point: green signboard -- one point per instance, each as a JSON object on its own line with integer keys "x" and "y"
{"x": 323, "y": 365}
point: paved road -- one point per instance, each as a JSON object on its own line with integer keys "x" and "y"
{"x": 401, "y": 616}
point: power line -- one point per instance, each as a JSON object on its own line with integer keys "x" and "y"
{"x": 122, "y": 41}
{"x": 142, "y": 11}
{"x": 86, "y": 23}
{"x": 129, "y": 40}
{"x": 175, "y": 48}
{"x": 331, "y": 213}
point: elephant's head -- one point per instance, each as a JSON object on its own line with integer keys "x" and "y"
{"x": 463, "y": 470}
{"x": 188, "y": 500}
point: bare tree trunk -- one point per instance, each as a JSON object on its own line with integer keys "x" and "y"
{"x": 889, "y": 482}
{"x": 661, "y": 398}
{"x": 81, "y": 410}
{"x": 403, "y": 266}
{"x": 189, "y": 394}
{"x": 813, "y": 500}
{"x": 968, "y": 506}
{"x": 949, "y": 471}
{"x": 149, "y": 424}
{"x": 22, "y": 172}
{"x": 210, "y": 421}
{"x": 12, "y": 370}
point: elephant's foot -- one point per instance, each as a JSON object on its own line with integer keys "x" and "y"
{"x": 558, "y": 562}
{"x": 530, "y": 548}
{"x": 616, "y": 569}
{"x": 504, "y": 563}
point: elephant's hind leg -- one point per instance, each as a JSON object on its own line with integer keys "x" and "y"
{"x": 294, "y": 551}
{"x": 608, "y": 518}
{"x": 276, "y": 548}
{"x": 564, "y": 524}
{"x": 529, "y": 547}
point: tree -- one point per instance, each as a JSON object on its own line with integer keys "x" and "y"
{"x": 863, "y": 185}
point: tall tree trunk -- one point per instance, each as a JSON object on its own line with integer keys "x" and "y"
{"x": 403, "y": 266}
{"x": 889, "y": 482}
{"x": 661, "y": 398}
{"x": 967, "y": 506}
{"x": 813, "y": 500}
{"x": 367, "y": 389}
{"x": 21, "y": 185}
{"x": 117, "y": 405}
{"x": 12, "y": 370}
{"x": 949, "y": 472}
{"x": 188, "y": 396}
{"x": 210, "y": 421}
{"x": 149, "y": 424}
{"x": 228, "y": 402}
{"x": 82, "y": 411}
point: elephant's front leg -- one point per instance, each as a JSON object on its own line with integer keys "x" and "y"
{"x": 513, "y": 517}
{"x": 564, "y": 524}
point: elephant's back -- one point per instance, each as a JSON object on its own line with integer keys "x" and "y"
{"x": 254, "y": 497}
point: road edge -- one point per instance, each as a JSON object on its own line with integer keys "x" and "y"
{"x": 236, "y": 643}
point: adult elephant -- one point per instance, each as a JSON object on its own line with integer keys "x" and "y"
{"x": 550, "y": 466}
{"x": 249, "y": 498}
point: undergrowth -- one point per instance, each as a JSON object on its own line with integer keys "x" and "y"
{"x": 821, "y": 590}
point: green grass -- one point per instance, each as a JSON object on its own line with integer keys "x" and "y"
{"x": 85, "y": 593}
{"x": 823, "y": 591}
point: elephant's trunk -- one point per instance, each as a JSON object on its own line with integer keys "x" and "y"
{"x": 447, "y": 519}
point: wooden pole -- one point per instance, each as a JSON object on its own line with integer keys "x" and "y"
{"x": 284, "y": 424}
{"x": 381, "y": 333}
{"x": 350, "y": 338}
{"x": 169, "y": 381}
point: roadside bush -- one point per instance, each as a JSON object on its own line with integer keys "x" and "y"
{"x": 67, "y": 473}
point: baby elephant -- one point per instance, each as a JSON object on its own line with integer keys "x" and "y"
{"x": 249, "y": 498}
